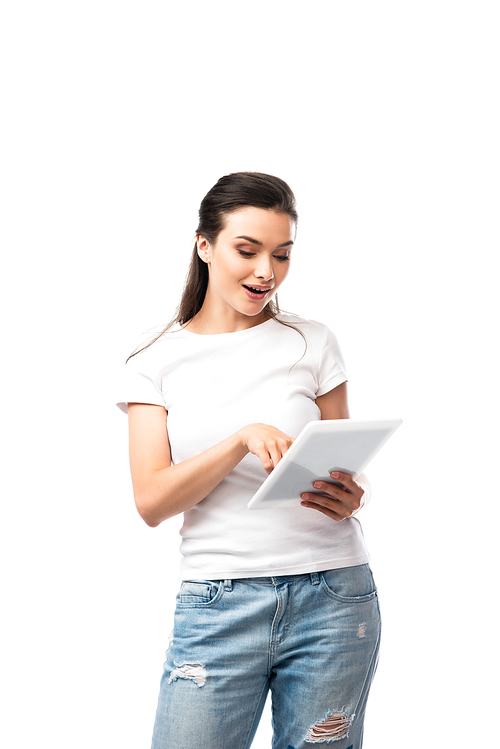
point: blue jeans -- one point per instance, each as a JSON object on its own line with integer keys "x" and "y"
{"x": 312, "y": 639}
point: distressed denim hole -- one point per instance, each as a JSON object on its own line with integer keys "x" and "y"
{"x": 334, "y": 726}
{"x": 193, "y": 671}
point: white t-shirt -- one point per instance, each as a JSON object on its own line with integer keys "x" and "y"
{"x": 211, "y": 386}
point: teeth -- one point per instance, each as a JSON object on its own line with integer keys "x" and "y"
{"x": 257, "y": 291}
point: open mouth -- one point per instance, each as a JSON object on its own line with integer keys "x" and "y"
{"x": 257, "y": 291}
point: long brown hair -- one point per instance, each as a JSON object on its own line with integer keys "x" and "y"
{"x": 231, "y": 193}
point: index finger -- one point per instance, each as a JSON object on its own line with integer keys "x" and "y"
{"x": 278, "y": 448}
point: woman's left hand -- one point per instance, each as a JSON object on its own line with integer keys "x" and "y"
{"x": 337, "y": 502}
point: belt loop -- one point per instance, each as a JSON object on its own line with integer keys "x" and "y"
{"x": 228, "y": 585}
{"x": 314, "y": 578}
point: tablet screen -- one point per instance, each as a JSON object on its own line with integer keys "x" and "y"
{"x": 343, "y": 445}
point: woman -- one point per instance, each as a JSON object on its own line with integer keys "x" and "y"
{"x": 280, "y": 599}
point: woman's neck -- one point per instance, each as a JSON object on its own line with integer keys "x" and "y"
{"x": 207, "y": 322}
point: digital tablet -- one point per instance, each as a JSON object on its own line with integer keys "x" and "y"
{"x": 324, "y": 446}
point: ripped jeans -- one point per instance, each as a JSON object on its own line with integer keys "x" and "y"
{"x": 312, "y": 639}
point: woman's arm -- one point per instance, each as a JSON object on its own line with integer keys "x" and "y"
{"x": 333, "y": 405}
{"x": 337, "y": 502}
{"x": 161, "y": 489}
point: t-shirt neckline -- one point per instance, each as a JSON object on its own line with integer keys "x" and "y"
{"x": 245, "y": 331}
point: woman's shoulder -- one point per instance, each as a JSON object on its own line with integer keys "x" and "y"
{"x": 154, "y": 345}
{"x": 304, "y": 324}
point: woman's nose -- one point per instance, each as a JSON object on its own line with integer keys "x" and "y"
{"x": 264, "y": 269}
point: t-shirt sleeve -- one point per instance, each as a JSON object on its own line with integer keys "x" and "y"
{"x": 332, "y": 371}
{"x": 139, "y": 384}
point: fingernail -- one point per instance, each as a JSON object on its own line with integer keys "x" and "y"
{"x": 317, "y": 485}
{"x": 305, "y": 496}
{"x": 335, "y": 475}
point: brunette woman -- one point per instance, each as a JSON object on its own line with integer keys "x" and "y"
{"x": 282, "y": 599}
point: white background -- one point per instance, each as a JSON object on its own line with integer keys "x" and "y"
{"x": 117, "y": 119}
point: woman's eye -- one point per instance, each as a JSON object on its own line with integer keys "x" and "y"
{"x": 244, "y": 253}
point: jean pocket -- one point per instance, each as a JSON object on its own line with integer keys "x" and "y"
{"x": 200, "y": 593}
{"x": 349, "y": 584}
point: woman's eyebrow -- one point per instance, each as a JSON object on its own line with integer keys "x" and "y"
{"x": 256, "y": 241}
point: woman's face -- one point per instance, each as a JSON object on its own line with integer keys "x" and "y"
{"x": 249, "y": 260}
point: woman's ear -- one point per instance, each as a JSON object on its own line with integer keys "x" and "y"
{"x": 203, "y": 247}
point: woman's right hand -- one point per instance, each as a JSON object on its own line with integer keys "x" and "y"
{"x": 266, "y": 442}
